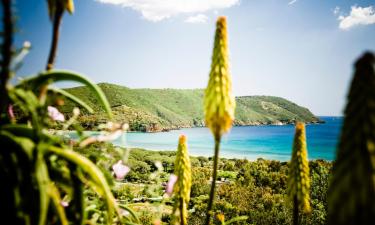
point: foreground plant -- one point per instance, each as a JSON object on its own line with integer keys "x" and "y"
{"x": 182, "y": 172}
{"x": 43, "y": 180}
{"x": 352, "y": 190}
{"x": 299, "y": 174}
{"x": 219, "y": 102}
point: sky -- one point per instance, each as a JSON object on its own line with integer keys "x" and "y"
{"x": 302, "y": 50}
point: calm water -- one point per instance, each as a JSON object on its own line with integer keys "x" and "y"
{"x": 268, "y": 142}
{"x": 251, "y": 142}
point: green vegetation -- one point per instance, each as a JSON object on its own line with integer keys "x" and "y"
{"x": 49, "y": 180}
{"x": 41, "y": 176}
{"x": 255, "y": 189}
{"x": 160, "y": 109}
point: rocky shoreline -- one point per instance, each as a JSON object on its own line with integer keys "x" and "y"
{"x": 236, "y": 124}
{"x": 151, "y": 127}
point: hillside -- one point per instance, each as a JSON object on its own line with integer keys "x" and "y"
{"x": 163, "y": 109}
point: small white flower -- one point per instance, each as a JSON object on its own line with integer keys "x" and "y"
{"x": 55, "y": 114}
{"x": 27, "y": 44}
{"x": 120, "y": 170}
{"x": 76, "y": 111}
{"x": 159, "y": 165}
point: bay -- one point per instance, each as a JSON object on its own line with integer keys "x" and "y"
{"x": 250, "y": 142}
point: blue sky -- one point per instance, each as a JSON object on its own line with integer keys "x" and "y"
{"x": 302, "y": 50}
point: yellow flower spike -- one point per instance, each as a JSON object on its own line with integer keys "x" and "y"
{"x": 299, "y": 174}
{"x": 182, "y": 187}
{"x": 219, "y": 102}
{"x": 69, "y": 6}
{"x": 220, "y": 217}
{"x": 54, "y": 5}
{"x": 351, "y": 194}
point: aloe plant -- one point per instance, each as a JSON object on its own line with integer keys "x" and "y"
{"x": 219, "y": 102}
{"x": 299, "y": 174}
{"x": 352, "y": 189}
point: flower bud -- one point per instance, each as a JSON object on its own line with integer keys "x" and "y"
{"x": 182, "y": 187}
{"x": 219, "y": 102}
{"x": 299, "y": 173}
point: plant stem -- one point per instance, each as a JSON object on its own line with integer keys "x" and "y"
{"x": 57, "y": 18}
{"x": 55, "y": 36}
{"x": 182, "y": 216}
{"x": 295, "y": 211}
{"x": 6, "y": 53}
{"x": 213, "y": 183}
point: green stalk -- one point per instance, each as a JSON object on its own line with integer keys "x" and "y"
{"x": 53, "y": 50}
{"x": 55, "y": 36}
{"x": 182, "y": 216}
{"x": 213, "y": 183}
{"x": 295, "y": 211}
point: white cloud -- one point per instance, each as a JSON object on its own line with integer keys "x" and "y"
{"x": 200, "y": 18}
{"x": 358, "y": 16}
{"x": 292, "y": 2}
{"x": 157, "y": 10}
{"x": 336, "y": 10}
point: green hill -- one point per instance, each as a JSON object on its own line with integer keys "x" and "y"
{"x": 163, "y": 109}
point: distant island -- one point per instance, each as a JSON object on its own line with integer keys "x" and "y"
{"x": 153, "y": 110}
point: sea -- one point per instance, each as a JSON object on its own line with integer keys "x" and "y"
{"x": 271, "y": 142}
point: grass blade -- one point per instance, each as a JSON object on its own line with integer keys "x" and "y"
{"x": 42, "y": 179}
{"x": 72, "y": 98}
{"x": 94, "y": 173}
{"x": 63, "y": 75}
{"x": 130, "y": 212}
{"x": 56, "y": 200}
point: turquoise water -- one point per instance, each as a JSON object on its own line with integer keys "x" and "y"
{"x": 250, "y": 142}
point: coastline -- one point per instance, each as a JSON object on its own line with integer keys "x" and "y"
{"x": 223, "y": 157}
{"x": 271, "y": 142}
{"x": 235, "y": 124}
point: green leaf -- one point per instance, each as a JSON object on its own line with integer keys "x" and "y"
{"x": 43, "y": 182}
{"x": 236, "y": 219}
{"x": 131, "y": 212}
{"x": 56, "y": 200}
{"x": 53, "y": 76}
{"x": 15, "y": 160}
{"x": 25, "y": 145}
{"x": 23, "y": 130}
{"x": 28, "y": 103}
{"x": 72, "y": 97}
{"x": 95, "y": 175}
{"x": 19, "y": 130}
{"x": 77, "y": 205}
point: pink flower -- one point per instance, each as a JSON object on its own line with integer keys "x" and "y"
{"x": 120, "y": 170}
{"x": 10, "y": 112}
{"x": 64, "y": 204}
{"x": 172, "y": 180}
{"x": 55, "y": 114}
